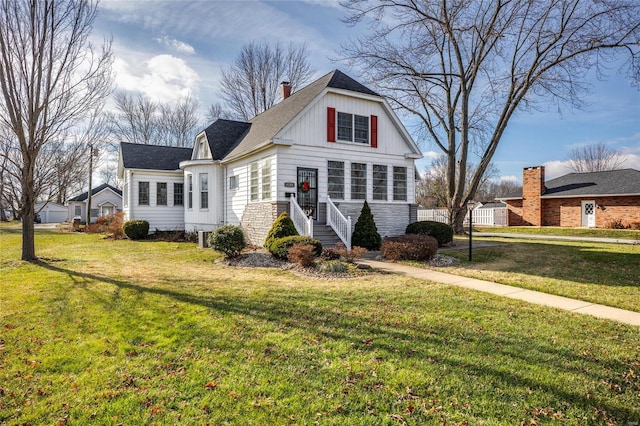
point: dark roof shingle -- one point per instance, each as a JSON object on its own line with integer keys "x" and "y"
{"x": 153, "y": 157}
{"x": 223, "y": 135}
{"x": 94, "y": 191}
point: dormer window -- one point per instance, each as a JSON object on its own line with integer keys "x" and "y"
{"x": 203, "y": 149}
{"x": 347, "y": 127}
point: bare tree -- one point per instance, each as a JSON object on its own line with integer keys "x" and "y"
{"x": 251, "y": 84}
{"x": 463, "y": 68}
{"x": 50, "y": 76}
{"x": 140, "y": 120}
{"x": 215, "y": 112}
{"x": 597, "y": 157}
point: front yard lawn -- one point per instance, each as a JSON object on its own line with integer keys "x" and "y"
{"x": 607, "y": 274}
{"x": 125, "y": 332}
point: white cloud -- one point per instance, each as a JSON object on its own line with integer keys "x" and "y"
{"x": 177, "y": 45}
{"x": 163, "y": 78}
{"x": 509, "y": 178}
{"x": 431, "y": 154}
{"x": 556, "y": 168}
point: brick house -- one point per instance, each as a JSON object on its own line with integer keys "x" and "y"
{"x": 592, "y": 199}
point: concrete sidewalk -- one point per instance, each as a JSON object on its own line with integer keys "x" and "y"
{"x": 539, "y": 298}
{"x": 557, "y": 237}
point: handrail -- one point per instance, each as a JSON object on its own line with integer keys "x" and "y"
{"x": 341, "y": 225}
{"x": 303, "y": 224}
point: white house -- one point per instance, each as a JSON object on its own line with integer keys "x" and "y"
{"x": 105, "y": 199}
{"x": 319, "y": 154}
{"x": 51, "y": 212}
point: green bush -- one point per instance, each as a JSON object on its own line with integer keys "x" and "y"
{"x": 136, "y": 229}
{"x": 279, "y": 248}
{"x": 440, "y": 231}
{"x": 333, "y": 267}
{"x": 409, "y": 247}
{"x": 365, "y": 233}
{"x": 228, "y": 239}
{"x": 282, "y": 227}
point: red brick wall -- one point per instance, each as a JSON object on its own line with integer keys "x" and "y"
{"x": 532, "y": 187}
{"x": 568, "y": 211}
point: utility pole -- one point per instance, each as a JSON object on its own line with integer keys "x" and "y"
{"x": 90, "y": 179}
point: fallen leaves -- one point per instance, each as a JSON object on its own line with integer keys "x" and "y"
{"x": 211, "y": 385}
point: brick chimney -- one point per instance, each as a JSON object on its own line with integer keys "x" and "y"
{"x": 532, "y": 188}
{"x": 285, "y": 90}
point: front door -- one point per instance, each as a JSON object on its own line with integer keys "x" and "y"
{"x": 308, "y": 191}
{"x": 589, "y": 214}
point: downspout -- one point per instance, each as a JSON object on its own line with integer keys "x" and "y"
{"x": 130, "y": 193}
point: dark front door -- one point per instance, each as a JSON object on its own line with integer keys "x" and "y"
{"x": 308, "y": 191}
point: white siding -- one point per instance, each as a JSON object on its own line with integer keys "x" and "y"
{"x": 237, "y": 199}
{"x": 163, "y": 218}
{"x": 204, "y": 219}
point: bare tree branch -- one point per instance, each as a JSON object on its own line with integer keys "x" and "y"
{"x": 596, "y": 157}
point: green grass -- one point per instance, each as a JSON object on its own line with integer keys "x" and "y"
{"x": 123, "y": 332}
{"x": 607, "y": 274}
{"x": 627, "y": 234}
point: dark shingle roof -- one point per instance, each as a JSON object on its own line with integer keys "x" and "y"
{"x": 266, "y": 125}
{"x": 224, "y": 135}
{"x": 612, "y": 182}
{"x": 94, "y": 191}
{"x": 153, "y": 157}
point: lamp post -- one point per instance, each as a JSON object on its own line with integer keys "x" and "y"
{"x": 470, "y": 205}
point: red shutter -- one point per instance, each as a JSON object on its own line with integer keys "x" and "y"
{"x": 374, "y": 131}
{"x": 331, "y": 124}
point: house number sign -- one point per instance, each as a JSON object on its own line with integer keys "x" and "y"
{"x": 289, "y": 185}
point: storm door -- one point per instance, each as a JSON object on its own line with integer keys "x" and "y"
{"x": 589, "y": 214}
{"x": 308, "y": 191}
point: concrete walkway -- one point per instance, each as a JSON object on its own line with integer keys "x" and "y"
{"x": 539, "y": 298}
{"x": 557, "y": 237}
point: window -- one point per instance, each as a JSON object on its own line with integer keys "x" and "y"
{"x": 94, "y": 213}
{"x": 253, "y": 180}
{"x": 399, "y": 184}
{"x": 379, "y": 182}
{"x": 266, "y": 179}
{"x": 143, "y": 193}
{"x": 360, "y": 129}
{"x": 335, "y": 180}
{"x": 353, "y": 128}
{"x": 178, "y": 194}
{"x": 204, "y": 191}
{"x": 161, "y": 193}
{"x": 358, "y": 181}
{"x": 190, "y": 188}
{"x": 345, "y": 123}
{"x": 77, "y": 211}
{"x": 233, "y": 182}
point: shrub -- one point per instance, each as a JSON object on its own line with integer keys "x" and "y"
{"x": 109, "y": 224}
{"x": 635, "y": 226}
{"x": 616, "y": 224}
{"x": 228, "y": 239}
{"x": 365, "y": 233}
{"x": 136, "y": 229}
{"x": 350, "y": 256}
{"x": 282, "y": 227}
{"x": 279, "y": 248}
{"x": 333, "y": 266}
{"x": 409, "y": 247}
{"x": 303, "y": 254}
{"x": 442, "y": 232}
{"x": 330, "y": 253}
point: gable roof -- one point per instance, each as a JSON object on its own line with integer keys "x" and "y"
{"x": 267, "y": 124}
{"x": 152, "y": 157}
{"x": 623, "y": 182}
{"x": 94, "y": 191}
{"x": 223, "y": 135}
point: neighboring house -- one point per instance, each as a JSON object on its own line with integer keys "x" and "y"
{"x": 335, "y": 138}
{"x": 105, "y": 199}
{"x": 51, "y": 212}
{"x": 592, "y": 199}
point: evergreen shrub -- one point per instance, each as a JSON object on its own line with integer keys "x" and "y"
{"x": 282, "y": 227}
{"x": 228, "y": 239}
{"x": 136, "y": 229}
{"x": 440, "y": 231}
{"x": 279, "y": 248}
{"x": 365, "y": 233}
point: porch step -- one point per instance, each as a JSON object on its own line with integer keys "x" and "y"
{"x": 325, "y": 235}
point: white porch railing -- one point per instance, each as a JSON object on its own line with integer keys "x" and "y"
{"x": 341, "y": 225}
{"x": 304, "y": 224}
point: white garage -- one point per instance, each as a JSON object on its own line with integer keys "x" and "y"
{"x": 52, "y": 212}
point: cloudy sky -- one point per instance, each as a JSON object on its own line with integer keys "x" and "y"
{"x": 167, "y": 49}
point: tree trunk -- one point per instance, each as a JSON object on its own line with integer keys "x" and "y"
{"x": 28, "y": 215}
{"x": 457, "y": 215}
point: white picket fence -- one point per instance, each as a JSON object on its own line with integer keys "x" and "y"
{"x": 489, "y": 217}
